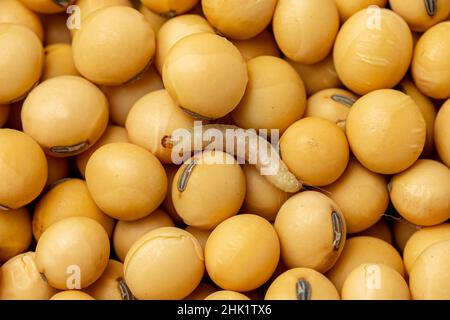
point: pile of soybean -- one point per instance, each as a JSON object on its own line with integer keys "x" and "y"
{"x": 93, "y": 206}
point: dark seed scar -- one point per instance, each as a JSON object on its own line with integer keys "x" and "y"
{"x": 184, "y": 177}
{"x": 337, "y": 230}
{"x": 303, "y": 290}
{"x": 343, "y": 100}
{"x": 70, "y": 149}
{"x": 431, "y": 7}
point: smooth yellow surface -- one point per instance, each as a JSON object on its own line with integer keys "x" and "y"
{"x": 415, "y": 13}
{"x": 164, "y": 264}
{"x": 71, "y": 295}
{"x": 65, "y": 111}
{"x": 114, "y": 45}
{"x": 319, "y": 76}
{"x": 275, "y": 96}
{"x": 209, "y": 62}
{"x": 362, "y": 196}
{"x": 126, "y": 181}
{"x": 155, "y": 20}
{"x": 262, "y": 198}
{"x": 242, "y": 253}
{"x": 359, "y": 250}
{"x": 58, "y": 61}
{"x": 153, "y": 117}
{"x": 442, "y": 133}
{"x": 238, "y": 19}
{"x": 88, "y": 7}
{"x": 215, "y": 190}
{"x": 368, "y": 56}
{"x": 421, "y": 240}
{"x": 21, "y": 61}
{"x": 169, "y": 7}
{"x": 46, "y": 6}
{"x": 199, "y": 234}
{"x": 315, "y": 150}
{"x": 431, "y": 67}
{"x": 348, "y": 8}
{"x": 15, "y": 233}
{"x": 14, "y": 11}
{"x": 85, "y": 245}
{"x": 284, "y": 286}
{"x": 421, "y": 194}
{"x": 23, "y": 169}
{"x": 126, "y": 233}
{"x": 122, "y": 98}
{"x": 322, "y": 105}
{"x": 375, "y": 282}
{"x": 386, "y": 131}
{"x": 67, "y": 199}
{"x": 305, "y": 227}
{"x": 21, "y": 280}
{"x": 261, "y": 45}
{"x": 227, "y": 295}
{"x": 428, "y": 110}
{"x": 305, "y": 30}
{"x": 176, "y": 29}
{"x": 112, "y": 134}
{"x": 430, "y": 279}
{"x": 107, "y": 286}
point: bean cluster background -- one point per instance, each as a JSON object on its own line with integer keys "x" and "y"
{"x": 95, "y": 203}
